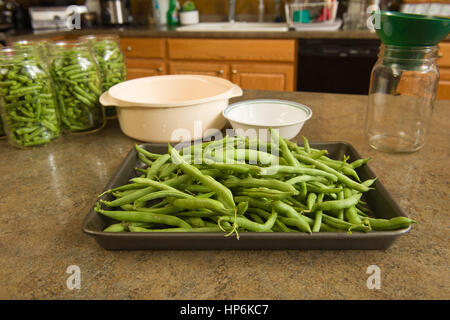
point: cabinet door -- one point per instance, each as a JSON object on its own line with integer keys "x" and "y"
{"x": 134, "y": 47}
{"x": 264, "y": 76}
{"x": 138, "y": 68}
{"x": 204, "y": 68}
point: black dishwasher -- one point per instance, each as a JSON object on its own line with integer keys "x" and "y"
{"x": 336, "y": 65}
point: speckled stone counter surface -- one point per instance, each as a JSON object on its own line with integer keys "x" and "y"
{"x": 46, "y": 192}
{"x": 172, "y": 33}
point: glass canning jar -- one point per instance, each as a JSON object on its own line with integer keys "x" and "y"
{"x": 27, "y": 104}
{"x": 111, "y": 62}
{"x": 78, "y": 86}
{"x": 402, "y": 94}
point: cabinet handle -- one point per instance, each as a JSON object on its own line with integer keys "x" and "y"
{"x": 440, "y": 54}
{"x": 234, "y": 71}
{"x": 129, "y": 48}
{"x": 159, "y": 69}
{"x": 220, "y": 72}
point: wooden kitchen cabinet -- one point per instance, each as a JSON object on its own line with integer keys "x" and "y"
{"x": 265, "y": 64}
{"x": 262, "y": 64}
{"x": 205, "y": 68}
{"x": 444, "y": 71}
{"x": 263, "y": 76}
{"x": 143, "y": 47}
{"x": 233, "y": 49}
{"x": 137, "y": 68}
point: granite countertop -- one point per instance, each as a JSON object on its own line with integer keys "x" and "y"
{"x": 172, "y": 33}
{"x": 48, "y": 191}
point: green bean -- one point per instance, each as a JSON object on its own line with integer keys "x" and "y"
{"x": 266, "y": 215}
{"x": 167, "y": 169}
{"x": 256, "y": 218}
{"x": 144, "y": 159}
{"x": 305, "y": 178}
{"x": 116, "y": 227}
{"x": 318, "y": 218}
{"x": 297, "y": 170}
{"x": 306, "y": 145}
{"x": 291, "y": 213}
{"x": 162, "y": 194}
{"x": 153, "y": 171}
{"x": 341, "y": 177}
{"x": 358, "y": 163}
{"x": 256, "y": 183}
{"x": 195, "y": 222}
{"x": 265, "y": 193}
{"x": 128, "y": 198}
{"x": 197, "y": 203}
{"x": 337, "y": 204}
{"x": 390, "y": 224}
{"x": 253, "y": 226}
{"x": 341, "y": 224}
{"x": 340, "y": 213}
{"x": 139, "y": 216}
{"x": 222, "y": 192}
{"x": 184, "y": 229}
{"x": 311, "y": 200}
{"x": 295, "y": 223}
{"x": 350, "y": 212}
{"x": 236, "y": 167}
{"x": 318, "y": 187}
{"x": 169, "y": 210}
{"x": 256, "y": 203}
{"x": 287, "y": 155}
{"x": 149, "y": 155}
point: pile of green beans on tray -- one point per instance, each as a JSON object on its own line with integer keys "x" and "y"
{"x": 28, "y": 105}
{"x": 305, "y": 191}
{"x": 78, "y": 88}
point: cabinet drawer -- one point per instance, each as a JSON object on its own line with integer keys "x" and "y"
{"x": 444, "y": 54}
{"x": 143, "y": 47}
{"x": 263, "y": 76}
{"x": 204, "y": 68}
{"x": 444, "y": 73}
{"x": 443, "y": 92}
{"x": 138, "y": 68}
{"x": 232, "y": 49}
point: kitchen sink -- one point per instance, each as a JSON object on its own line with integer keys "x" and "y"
{"x": 235, "y": 26}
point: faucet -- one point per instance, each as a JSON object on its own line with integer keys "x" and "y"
{"x": 231, "y": 10}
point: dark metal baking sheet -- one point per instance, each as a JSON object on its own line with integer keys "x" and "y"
{"x": 379, "y": 200}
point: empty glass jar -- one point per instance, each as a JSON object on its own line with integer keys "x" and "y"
{"x": 402, "y": 94}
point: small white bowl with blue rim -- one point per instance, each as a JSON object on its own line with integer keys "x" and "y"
{"x": 253, "y": 118}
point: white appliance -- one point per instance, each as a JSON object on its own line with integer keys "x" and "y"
{"x": 65, "y": 17}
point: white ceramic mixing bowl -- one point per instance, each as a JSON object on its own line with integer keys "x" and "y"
{"x": 172, "y": 108}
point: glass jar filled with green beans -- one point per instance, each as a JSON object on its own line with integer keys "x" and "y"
{"x": 78, "y": 86}
{"x": 111, "y": 62}
{"x": 2, "y": 130}
{"x": 28, "y": 105}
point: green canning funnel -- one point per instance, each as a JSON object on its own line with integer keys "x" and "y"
{"x": 410, "y": 30}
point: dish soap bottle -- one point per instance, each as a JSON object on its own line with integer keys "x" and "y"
{"x": 172, "y": 13}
